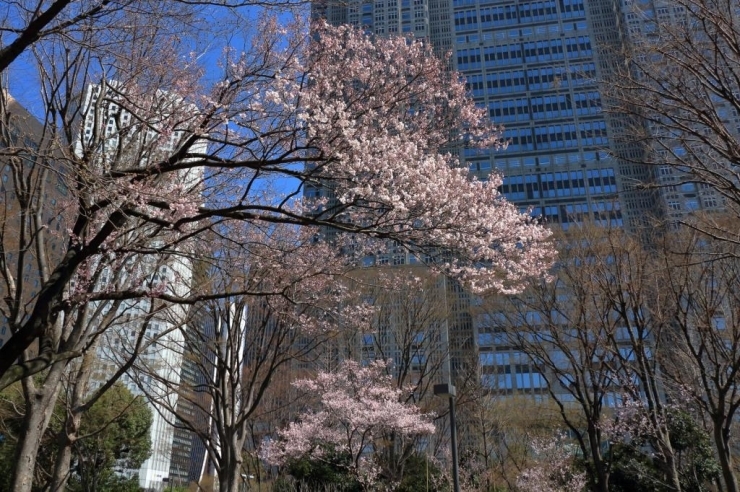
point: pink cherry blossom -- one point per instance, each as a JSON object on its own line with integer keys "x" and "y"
{"x": 356, "y": 406}
{"x": 553, "y": 471}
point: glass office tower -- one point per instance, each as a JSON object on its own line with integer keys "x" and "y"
{"x": 541, "y": 68}
{"x": 534, "y": 65}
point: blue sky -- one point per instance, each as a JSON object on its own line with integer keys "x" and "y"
{"x": 222, "y": 28}
{"x": 23, "y": 77}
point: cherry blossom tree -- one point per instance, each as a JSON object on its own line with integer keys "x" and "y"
{"x": 356, "y": 406}
{"x": 554, "y": 471}
{"x": 408, "y": 324}
{"x": 374, "y": 140}
{"x": 139, "y": 157}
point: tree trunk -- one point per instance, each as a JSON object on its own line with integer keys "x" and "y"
{"x": 724, "y": 453}
{"x": 600, "y": 468}
{"x": 65, "y": 439}
{"x": 229, "y": 477}
{"x": 69, "y": 432}
{"x": 232, "y": 484}
{"x": 670, "y": 463}
{"x": 229, "y": 480}
{"x": 34, "y": 423}
{"x": 39, "y": 409}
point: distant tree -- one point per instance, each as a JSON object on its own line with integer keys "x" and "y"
{"x": 241, "y": 346}
{"x": 114, "y": 436}
{"x": 330, "y": 471}
{"x": 88, "y": 378}
{"x": 501, "y": 429}
{"x": 554, "y": 469}
{"x": 640, "y": 347}
{"x": 703, "y": 363}
{"x": 563, "y": 330}
{"x": 595, "y": 335}
{"x": 356, "y": 407}
{"x": 682, "y": 85}
{"x": 634, "y": 469}
{"x": 421, "y": 474}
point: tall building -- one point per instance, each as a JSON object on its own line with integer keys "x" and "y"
{"x": 535, "y": 66}
{"x": 542, "y": 68}
{"x": 190, "y": 459}
{"x": 653, "y": 27}
{"x": 538, "y": 67}
{"x": 118, "y": 138}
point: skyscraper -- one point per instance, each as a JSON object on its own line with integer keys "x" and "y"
{"x": 543, "y": 69}
{"x": 143, "y": 328}
{"x": 539, "y": 68}
{"x": 536, "y": 67}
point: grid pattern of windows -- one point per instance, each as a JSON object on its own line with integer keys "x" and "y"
{"x": 538, "y": 11}
{"x": 532, "y": 65}
{"x": 556, "y": 136}
{"x": 579, "y": 183}
{"x": 508, "y": 371}
{"x": 551, "y": 106}
{"x": 533, "y": 78}
{"x": 510, "y": 110}
{"x": 503, "y": 82}
{"x": 502, "y": 16}
{"x": 533, "y": 52}
{"x": 505, "y": 54}
{"x": 381, "y": 17}
{"x": 543, "y": 51}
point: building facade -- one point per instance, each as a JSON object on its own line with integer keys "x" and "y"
{"x": 544, "y": 69}
{"x": 539, "y": 68}
{"x": 145, "y": 329}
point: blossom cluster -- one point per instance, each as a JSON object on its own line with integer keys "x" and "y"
{"x": 357, "y": 405}
{"x": 378, "y": 123}
{"x": 554, "y": 471}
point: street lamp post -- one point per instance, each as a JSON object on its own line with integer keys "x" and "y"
{"x": 448, "y": 391}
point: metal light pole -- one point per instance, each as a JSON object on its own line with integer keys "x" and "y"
{"x": 448, "y": 391}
